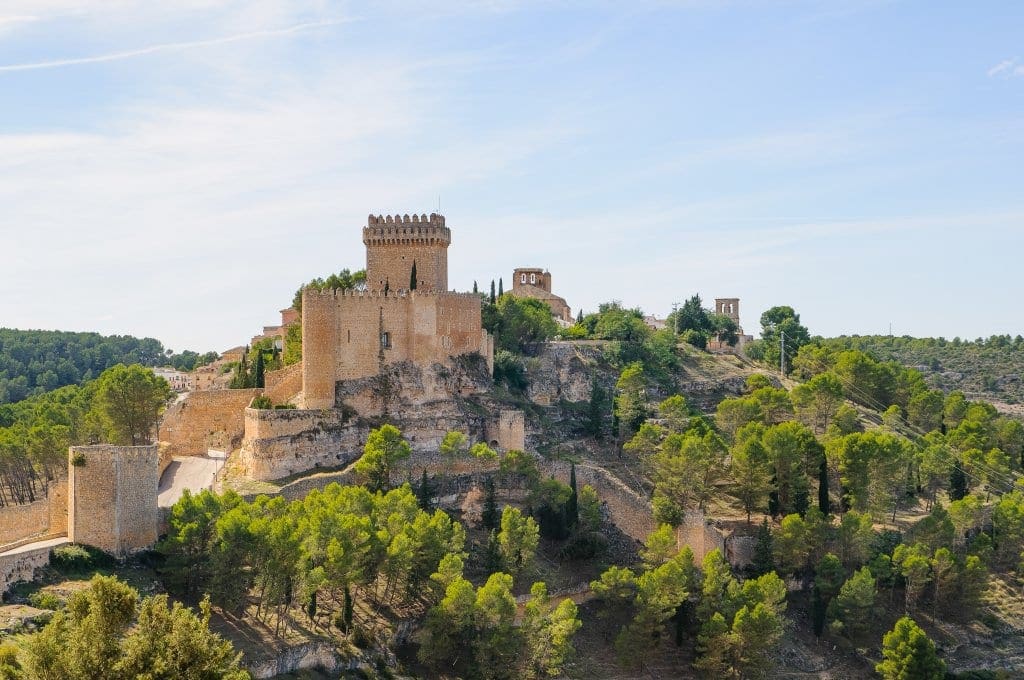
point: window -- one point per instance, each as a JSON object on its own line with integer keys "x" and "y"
{"x": 533, "y": 278}
{"x": 522, "y": 278}
{"x": 385, "y": 340}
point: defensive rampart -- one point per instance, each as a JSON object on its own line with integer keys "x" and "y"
{"x": 211, "y": 419}
{"x": 43, "y": 518}
{"x": 283, "y": 385}
{"x": 21, "y": 564}
{"x": 349, "y": 335}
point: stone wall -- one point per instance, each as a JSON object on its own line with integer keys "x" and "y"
{"x": 22, "y": 564}
{"x": 113, "y": 497}
{"x": 283, "y": 442}
{"x": 204, "y": 420}
{"x": 283, "y": 385}
{"x": 20, "y": 521}
{"x": 509, "y": 431}
{"x": 45, "y": 517}
{"x": 348, "y": 335}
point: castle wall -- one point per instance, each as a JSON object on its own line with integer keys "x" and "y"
{"x": 283, "y": 442}
{"x": 21, "y": 521}
{"x": 113, "y": 497}
{"x": 282, "y": 385}
{"x": 45, "y": 517}
{"x": 342, "y": 335}
{"x": 21, "y": 564}
{"x": 205, "y": 420}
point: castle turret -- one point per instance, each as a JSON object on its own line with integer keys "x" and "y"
{"x": 398, "y": 245}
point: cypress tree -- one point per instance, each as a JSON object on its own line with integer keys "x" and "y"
{"x": 347, "y": 610}
{"x": 595, "y": 413}
{"x": 957, "y": 482}
{"x": 823, "y": 503}
{"x": 501, "y": 287}
{"x": 412, "y": 276}
{"x": 763, "y": 560}
{"x": 492, "y": 292}
{"x": 475, "y": 291}
{"x": 579, "y": 319}
{"x": 424, "y": 493}
{"x": 572, "y": 506}
{"x": 490, "y": 516}
{"x": 817, "y": 612}
{"x": 258, "y": 370}
{"x": 492, "y": 555}
{"x": 311, "y": 607}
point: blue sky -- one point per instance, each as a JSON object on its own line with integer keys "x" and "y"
{"x": 176, "y": 170}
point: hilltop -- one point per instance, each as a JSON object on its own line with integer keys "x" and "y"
{"x": 991, "y": 369}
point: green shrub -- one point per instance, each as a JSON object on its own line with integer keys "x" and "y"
{"x": 77, "y": 559}
{"x": 261, "y": 402}
{"x": 42, "y": 599}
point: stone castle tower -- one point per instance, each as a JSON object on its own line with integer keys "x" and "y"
{"x": 351, "y": 335}
{"x": 394, "y": 244}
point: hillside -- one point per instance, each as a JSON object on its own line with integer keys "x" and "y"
{"x": 33, "y": 362}
{"x": 990, "y": 369}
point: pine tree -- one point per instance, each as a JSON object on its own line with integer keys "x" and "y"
{"x": 572, "y": 506}
{"x": 492, "y": 292}
{"x": 412, "y": 276}
{"x": 907, "y": 652}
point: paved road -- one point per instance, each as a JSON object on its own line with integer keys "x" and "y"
{"x": 194, "y": 473}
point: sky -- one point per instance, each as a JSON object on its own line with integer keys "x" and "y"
{"x": 177, "y": 170}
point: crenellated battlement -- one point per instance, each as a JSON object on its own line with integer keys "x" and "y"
{"x": 404, "y": 230}
{"x": 393, "y": 295}
{"x": 383, "y": 221}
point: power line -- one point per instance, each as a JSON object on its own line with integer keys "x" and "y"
{"x": 994, "y": 474}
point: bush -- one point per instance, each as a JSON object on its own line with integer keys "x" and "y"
{"x": 77, "y": 559}
{"x": 261, "y": 402}
{"x": 583, "y": 546}
{"x": 508, "y": 369}
{"x": 42, "y": 599}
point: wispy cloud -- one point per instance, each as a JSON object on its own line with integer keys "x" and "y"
{"x": 171, "y": 47}
{"x": 1007, "y": 68}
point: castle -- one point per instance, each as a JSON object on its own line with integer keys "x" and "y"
{"x": 406, "y": 313}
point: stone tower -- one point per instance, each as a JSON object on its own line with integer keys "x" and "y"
{"x": 531, "y": 276}
{"x": 395, "y": 243}
{"x": 112, "y": 497}
{"x": 729, "y": 307}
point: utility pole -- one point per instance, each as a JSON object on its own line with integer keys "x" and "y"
{"x": 782, "y": 353}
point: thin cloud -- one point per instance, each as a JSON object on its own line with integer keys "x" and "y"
{"x": 170, "y": 47}
{"x": 1005, "y": 68}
